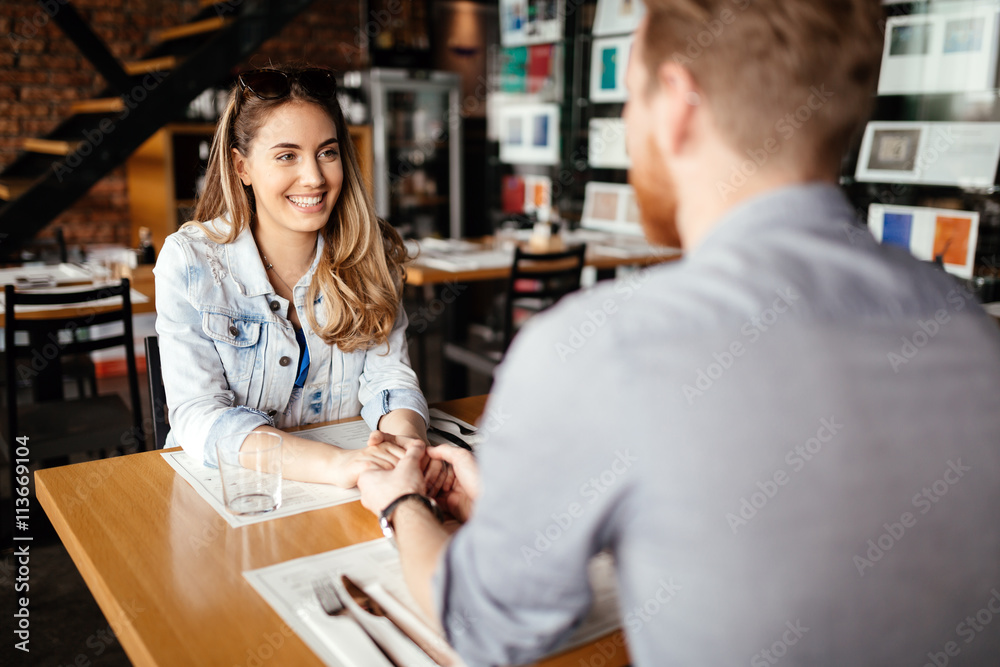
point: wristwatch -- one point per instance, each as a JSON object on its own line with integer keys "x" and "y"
{"x": 385, "y": 519}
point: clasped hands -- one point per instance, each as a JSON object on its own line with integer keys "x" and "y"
{"x": 446, "y": 473}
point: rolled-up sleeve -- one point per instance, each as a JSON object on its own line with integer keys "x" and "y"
{"x": 388, "y": 382}
{"x": 199, "y": 400}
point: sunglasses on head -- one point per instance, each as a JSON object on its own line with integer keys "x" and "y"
{"x": 272, "y": 84}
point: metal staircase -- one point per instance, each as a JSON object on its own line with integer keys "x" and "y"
{"x": 55, "y": 171}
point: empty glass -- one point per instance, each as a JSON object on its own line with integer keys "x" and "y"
{"x": 250, "y": 471}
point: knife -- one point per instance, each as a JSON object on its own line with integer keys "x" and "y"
{"x": 369, "y": 604}
{"x": 450, "y": 437}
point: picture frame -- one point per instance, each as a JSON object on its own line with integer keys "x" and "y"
{"x": 606, "y": 144}
{"x": 929, "y": 153}
{"x": 526, "y": 194}
{"x": 611, "y": 207}
{"x": 951, "y": 51}
{"x": 524, "y": 22}
{"x": 529, "y": 133}
{"x": 617, "y": 17}
{"x": 929, "y": 234}
{"x": 608, "y": 63}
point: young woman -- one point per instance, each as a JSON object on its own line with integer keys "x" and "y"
{"x": 281, "y": 305}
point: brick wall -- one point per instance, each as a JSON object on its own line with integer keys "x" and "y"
{"x": 41, "y": 72}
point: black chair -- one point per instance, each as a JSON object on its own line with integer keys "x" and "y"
{"x": 56, "y": 427}
{"x": 537, "y": 281}
{"x": 157, "y": 395}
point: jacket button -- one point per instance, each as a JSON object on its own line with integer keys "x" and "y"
{"x": 284, "y": 361}
{"x": 271, "y": 413}
{"x": 234, "y": 332}
{"x": 275, "y": 306}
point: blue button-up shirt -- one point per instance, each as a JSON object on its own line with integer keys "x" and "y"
{"x": 229, "y": 355}
{"x": 788, "y": 440}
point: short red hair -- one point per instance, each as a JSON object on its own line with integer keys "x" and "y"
{"x": 798, "y": 72}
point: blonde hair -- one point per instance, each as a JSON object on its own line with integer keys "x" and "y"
{"x": 760, "y": 62}
{"x": 360, "y": 274}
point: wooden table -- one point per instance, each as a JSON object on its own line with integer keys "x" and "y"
{"x": 419, "y": 274}
{"x": 141, "y": 281}
{"x": 166, "y": 569}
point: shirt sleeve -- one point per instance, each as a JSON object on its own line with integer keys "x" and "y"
{"x": 200, "y": 402}
{"x": 388, "y": 382}
{"x": 513, "y": 584}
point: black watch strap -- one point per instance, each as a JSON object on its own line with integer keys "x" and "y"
{"x": 385, "y": 519}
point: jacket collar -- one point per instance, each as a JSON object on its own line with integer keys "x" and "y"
{"x": 247, "y": 268}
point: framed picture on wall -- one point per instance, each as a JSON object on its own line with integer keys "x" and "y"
{"x": 947, "y": 52}
{"x": 608, "y": 62}
{"x": 531, "y": 21}
{"x": 606, "y": 144}
{"x": 618, "y": 17}
{"x": 930, "y": 234}
{"x": 933, "y": 153}
{"x": 529, "y": 133}
{"x": 610, "y": 207}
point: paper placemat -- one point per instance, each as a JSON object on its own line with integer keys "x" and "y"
{"x": 287, "y": 587}
{"x": 296, "y": 497}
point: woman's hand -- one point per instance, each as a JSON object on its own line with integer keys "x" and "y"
{"x": 382, "y": 452}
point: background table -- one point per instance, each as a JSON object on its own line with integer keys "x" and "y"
{"x": 166, "y": 569}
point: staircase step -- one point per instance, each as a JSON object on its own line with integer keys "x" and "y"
{"x": 49, "y": 146}
{"x": 12, "y": 188}
{"x": 188, "y": 29}
{"x": 98, "y": 105}
{"x": 151, "y": 65}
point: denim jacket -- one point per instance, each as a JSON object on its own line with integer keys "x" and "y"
{"x": 230, "y": 357}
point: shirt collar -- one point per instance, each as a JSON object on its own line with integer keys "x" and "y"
{"x": 804, "y": 206}
{"x": 247, "y": 268}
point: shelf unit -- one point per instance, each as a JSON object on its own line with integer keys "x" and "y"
{"x": 979, "y": 106}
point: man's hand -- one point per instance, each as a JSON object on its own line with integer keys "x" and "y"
{"x": 461, "y": 497}
{"x": 380, "y": 487}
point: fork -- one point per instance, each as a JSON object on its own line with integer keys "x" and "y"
{"x": 464, "y": 430}
{"x": 328, "y": 598}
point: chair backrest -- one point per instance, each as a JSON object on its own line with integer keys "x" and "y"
{"x": 89, "y": 308}
{"x": 545, "y": 276}
{"x": 157, "y": 394}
